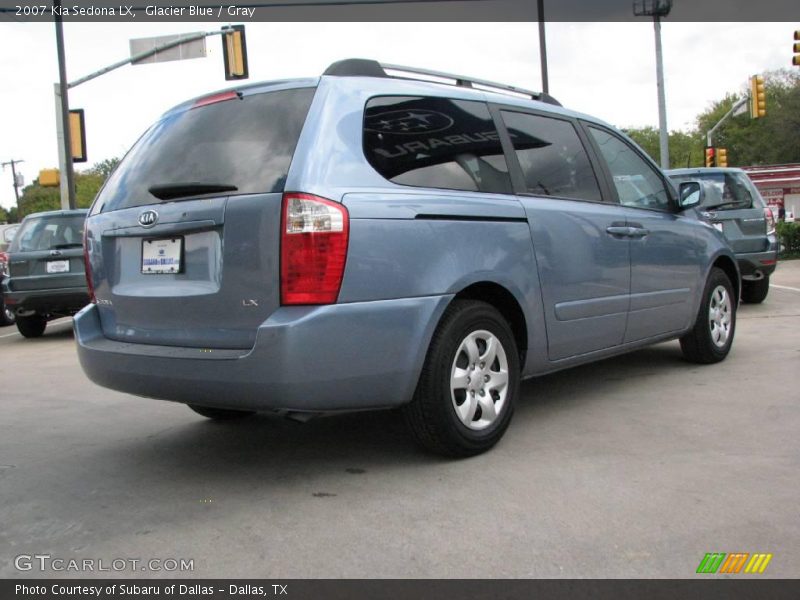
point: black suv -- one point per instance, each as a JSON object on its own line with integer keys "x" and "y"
{"x": 45, "y": 275}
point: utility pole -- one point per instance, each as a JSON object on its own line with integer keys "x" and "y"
{"x": 62, "y": 117}
{"x": 658, "y": 9}
{"x": 13, "y": 164}
{"x": 543, "y": 49}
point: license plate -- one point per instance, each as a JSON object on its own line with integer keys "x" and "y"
{"x": 162, "y": 256}
{"x": 57, "y": 266}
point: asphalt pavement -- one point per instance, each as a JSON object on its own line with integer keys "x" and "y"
{"x": 632, "y": 467}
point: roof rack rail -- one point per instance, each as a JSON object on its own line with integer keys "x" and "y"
{"x": 362, "y": 67}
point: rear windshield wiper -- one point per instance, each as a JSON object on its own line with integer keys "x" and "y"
{"x": 64, "y": 246}
{"x": 170, "y": 191}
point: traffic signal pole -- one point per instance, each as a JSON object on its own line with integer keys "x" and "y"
{"x": 62, "y": 100}
{"x": 62, "y": 118}
{"x": 662, "y": 101}
{"x": 737, "y": 106}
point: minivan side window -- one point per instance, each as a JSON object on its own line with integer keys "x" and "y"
{"x": 551, "y": 156}
{"x": 638, "y": 185}
{"x": 435, "y": 143}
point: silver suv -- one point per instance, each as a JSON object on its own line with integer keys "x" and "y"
{"x": 735, "y": 207}
{"x": 363, "y": 240}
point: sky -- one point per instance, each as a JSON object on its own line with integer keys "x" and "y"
{"x": 604, "y": 69}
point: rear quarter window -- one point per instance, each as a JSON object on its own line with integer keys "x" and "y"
{"x": 435, "y": 143}
{"x": 245, "y": 142}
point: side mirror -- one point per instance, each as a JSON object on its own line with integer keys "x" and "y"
{"x": 691, "y": 194}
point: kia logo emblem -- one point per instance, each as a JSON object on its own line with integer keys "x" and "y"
{"x": 148, "y": 218}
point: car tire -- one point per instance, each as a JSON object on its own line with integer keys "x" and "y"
{"x": 448, "y": 414}
{"x": 755, "y": 292}
{"x": 32, "y": 326}
{"x": 7, "y": 316}
{"x": 220, "y": 414}
{"x": 710, "y": 339}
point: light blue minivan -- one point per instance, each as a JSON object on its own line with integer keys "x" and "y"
{"x": 383, "y": 236}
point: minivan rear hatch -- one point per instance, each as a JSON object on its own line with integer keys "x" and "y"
{"x": 184, "y": 239}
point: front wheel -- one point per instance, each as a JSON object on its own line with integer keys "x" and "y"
{"x": 470, "y": 380}
{"x": 6, "y": 314}
{"x": 710, "y": 339}
{"x": 32, "y": 326}
{"x": 755, "y": 292}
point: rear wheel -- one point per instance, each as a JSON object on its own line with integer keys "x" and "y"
{"x": 710, "y": 339}
{"x": 469, "y": 383}
{"x": 220, "y": 414}
{"x": 32, "y": 326}
{"x": 755, "y": 292}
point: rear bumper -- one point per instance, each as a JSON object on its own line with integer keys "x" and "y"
{"x": 66, "y": 301}
{"x": 317, "y": 359}
{"x": 757, "y": 265}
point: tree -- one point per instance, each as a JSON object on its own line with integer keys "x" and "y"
{"x": 36, "y": 198}
{"x": 772, "y": 139}
{"x": 685, "y": 149}
{"x": 103, "y": 168}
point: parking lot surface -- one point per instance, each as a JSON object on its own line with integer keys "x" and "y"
{"x": 632, "y": 467}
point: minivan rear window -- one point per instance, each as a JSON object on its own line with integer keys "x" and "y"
{"x": 244, "y": 143}
{"x": 436, "y": 143}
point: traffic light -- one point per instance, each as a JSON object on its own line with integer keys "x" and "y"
{"x": 234, "y": 52}
{"x": 722, "y": 157}
{"x": 77, "y": 134}
{"x": 758, "y": 98}
{"x": 796, "y": 57}
{"x": 49, "y": 178}
{"x": 709, "y": 156}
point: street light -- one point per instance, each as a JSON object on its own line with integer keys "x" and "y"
{"x": 658, "y": 9}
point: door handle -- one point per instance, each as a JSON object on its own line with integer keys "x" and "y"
{"x": 630, "y": 232}
{"x": 618, "y": 230}
{"x": 637, "y": 232}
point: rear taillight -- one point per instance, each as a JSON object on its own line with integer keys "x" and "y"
{"x": 314, "y": 234}
{"x": 3, "y": 265}
{"x": 87, "y": 265}
{"x": 770, "y": 218}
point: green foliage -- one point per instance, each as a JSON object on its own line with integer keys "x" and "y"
{"x": 104, "y": 167}
{"x": 36, "y": 198}
{"x": 789, "y": 235}
{"x": 685, "y": 149}
{"x": 770, "y": 140}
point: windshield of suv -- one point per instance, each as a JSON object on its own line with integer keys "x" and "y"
{"x": 49, "y": 233}
{"x": 733, "y": 189}
{"x": 240, "y": 145}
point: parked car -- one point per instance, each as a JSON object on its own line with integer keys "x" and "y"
{"x": 45, "y": 270}
{"x": 735, "y": 207}
{"x": 6, "y": 314}
{"x": 7, "y": 232}
{"x": 363, "y": 241}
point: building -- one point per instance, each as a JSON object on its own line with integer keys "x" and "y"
{"x": 780, "y": 187}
